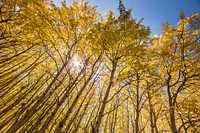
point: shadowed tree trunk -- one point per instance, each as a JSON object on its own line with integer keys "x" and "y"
{"x": 101, "y": 112}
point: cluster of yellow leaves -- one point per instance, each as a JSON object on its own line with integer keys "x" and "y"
{"x": 58, "y": 64}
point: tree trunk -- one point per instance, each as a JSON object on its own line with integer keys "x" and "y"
{"x": 137, "y": 106}
{"x": 42, "y": 98}
{"x": 100, "y": 116}
{"x": 151, "y": 113}
{"x": 171, "y": 106}
{"x": 172, "y": 120}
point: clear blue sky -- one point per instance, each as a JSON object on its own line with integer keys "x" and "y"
{"x": 154, "y": 12}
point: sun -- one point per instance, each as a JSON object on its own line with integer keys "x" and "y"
{"x": 77, "y": 63}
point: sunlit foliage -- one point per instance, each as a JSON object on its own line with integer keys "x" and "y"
{"x": 70, "y": 69}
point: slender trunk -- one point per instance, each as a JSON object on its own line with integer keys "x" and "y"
{"x": 137, "y": 122}
{"x": 172, "y": 120}
{"x": 100, "y": 115}
{"x": 30, "y": 113}
{"x": 155, "y": 121}
{"x": 33, "y": 127}
{"x": 59, "y": 104}
{"x": 171, "y": 106}
{"x": 183, "y": 125}
{"x": 128, "y": 118}
{"x": 82, "y": 114}
{"x": 115, "y": 119}
{"x": 112, "y": 120}
{"x": 61, "y": 124}
{"x": 88, "y": 121}
{"x": 137, "y": 106}
{"x": 22, "y": 96}
{"x": 105, "y": 127}
{"x": 172, "y": 115}
{"x": 78, "y": 110}
{"x": 151, "y": 113}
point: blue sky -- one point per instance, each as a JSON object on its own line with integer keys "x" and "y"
{"x": 154, "y": 12}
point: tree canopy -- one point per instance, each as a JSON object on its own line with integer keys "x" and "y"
{"x": 69, "y": 69}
